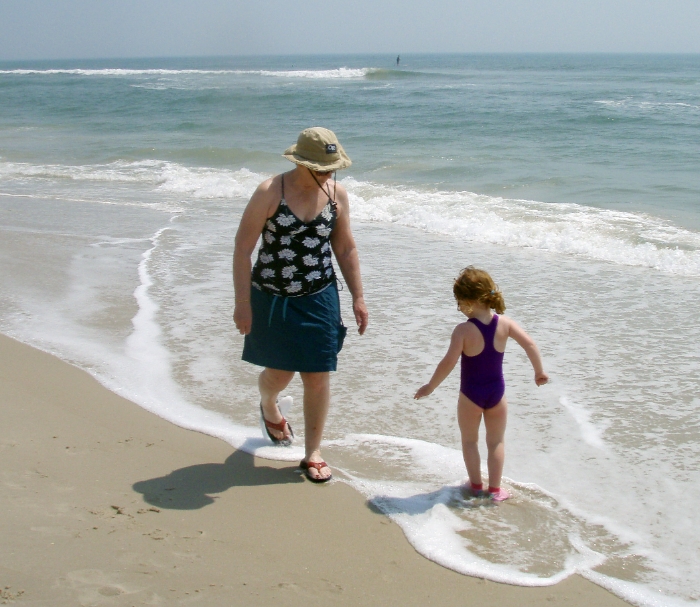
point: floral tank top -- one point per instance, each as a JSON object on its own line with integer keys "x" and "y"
{"x": 294, "y": 258}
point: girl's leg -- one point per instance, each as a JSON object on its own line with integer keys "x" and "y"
{"x": 270, "y": 383}
{"x": 495, "y": 422}
{"x": 317, "y": 394}
{"x": 469, "y": 419}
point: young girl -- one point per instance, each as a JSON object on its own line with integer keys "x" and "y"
{"x": 481, "y": 342}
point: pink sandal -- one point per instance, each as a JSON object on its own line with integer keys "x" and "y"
{"x": 498, "y": 495}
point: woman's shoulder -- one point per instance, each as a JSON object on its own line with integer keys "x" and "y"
{"x": 267, "y": 194}
{"x": 270, "y": 187}
{"x": 341, "y": 194}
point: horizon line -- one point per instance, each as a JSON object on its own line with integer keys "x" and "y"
{"x": 356, "y": 54}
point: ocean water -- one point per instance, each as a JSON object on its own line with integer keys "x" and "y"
{"x": 573, "y": 179}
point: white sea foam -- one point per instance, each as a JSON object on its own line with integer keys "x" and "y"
{"x": 339, "y": 73}
{"x": 623, "y": 238}
{"x": 161, "y": 176}
{"x": 145, "y": 171}
{"x": 634, "y": 239}
{"x": 646, "y": 105}
{"x": 344, "y": 73}
{"x": 153, "y": 387}
{"x": 589, "y": 432}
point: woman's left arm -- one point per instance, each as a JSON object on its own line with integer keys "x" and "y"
{"x": 345, "y": 251}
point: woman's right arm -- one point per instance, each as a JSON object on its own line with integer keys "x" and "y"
{"x": 249, "y": 230}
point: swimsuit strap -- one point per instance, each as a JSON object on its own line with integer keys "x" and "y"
{"x": 488, "y": 332}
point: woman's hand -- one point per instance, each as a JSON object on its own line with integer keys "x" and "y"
{"x": 243, "y": 317}
{"x": 541, "y": 378}
{"x": 361, "y": 314}
{"x": 425, "y": 390}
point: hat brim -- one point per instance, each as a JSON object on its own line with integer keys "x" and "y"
{"x": 341, "y": 163}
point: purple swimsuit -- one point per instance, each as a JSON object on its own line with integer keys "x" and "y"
{"x": 482, "y": 375}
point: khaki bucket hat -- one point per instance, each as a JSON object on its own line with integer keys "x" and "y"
{"x": 319, "y": 150}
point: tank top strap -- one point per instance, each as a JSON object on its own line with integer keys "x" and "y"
{"x": 334, "y": 204}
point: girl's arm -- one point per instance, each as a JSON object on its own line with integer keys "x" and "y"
{"x": 446, "y": 365}
{"x": 526, "y": 343}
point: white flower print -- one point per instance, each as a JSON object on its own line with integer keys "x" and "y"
{"x": 323, "y": 231}
{"x": 293, "y": 287}
{"x": 326, "y": 213}
{"x": 287, "y": 254}
{"x": 326, "y": 262}
{"x": 329, "y": 271}
{"x": 266, "y": 258}
{"x": 286, "y": 220}
{"x": 288, "y": 272}
{"x": 267, "y": 273}
{"x": 310, "y": 260}
{"x": 299, "y": 230}
{"x": 269, "y": 238}
{"x": 313, "y": 275}
{"x": 255, "y": 284}
{"x": 271, "y": 287}
{"x": 325, "y": 248}
{"x": 285, "y": 240}
{"x": 311, "y": 242}
{"x": 270, "y": 226}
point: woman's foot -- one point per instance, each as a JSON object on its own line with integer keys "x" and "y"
{"x": 278, "y": 429}
{"x": 315, "y": 469}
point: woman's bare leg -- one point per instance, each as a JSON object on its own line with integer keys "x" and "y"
{"x": 469, "y": 419}
{"x": 270, "y": 383}
{"x": 495, "y": 422}
{"x": 317, "y": 395}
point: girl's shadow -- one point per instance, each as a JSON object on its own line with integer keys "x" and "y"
{"x": 456, "y": 498}
{"x": 190, "y": 488}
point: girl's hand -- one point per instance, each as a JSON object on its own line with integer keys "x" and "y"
{"x": 425, "y": 390}
{"x": 541, "y": 378}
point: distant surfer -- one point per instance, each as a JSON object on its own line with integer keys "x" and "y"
{"x": 287, "y": 304}
{"x": 398, "y": 60}
{"x": 480, "y": 343}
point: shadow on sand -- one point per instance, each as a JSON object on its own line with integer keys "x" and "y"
{"x": 456, "y": 498}
{"x": 192, "y": 487}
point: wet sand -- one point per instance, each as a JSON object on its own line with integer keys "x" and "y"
{"x": 104, "y": 503}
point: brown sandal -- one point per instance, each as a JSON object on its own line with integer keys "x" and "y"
{"x": 305, "y": 466}
{"x": 280, "y": 427}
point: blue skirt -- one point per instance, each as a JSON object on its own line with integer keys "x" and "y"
{"x": 301, "y": 334}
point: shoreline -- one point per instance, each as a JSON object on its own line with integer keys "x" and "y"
{"x": 129, "y": 509}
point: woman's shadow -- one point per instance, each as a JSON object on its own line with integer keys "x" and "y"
{"x": 192, "y": 487}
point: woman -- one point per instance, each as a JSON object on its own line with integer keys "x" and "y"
{"x": 287, "y": 305}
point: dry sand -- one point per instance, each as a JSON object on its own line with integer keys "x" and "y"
{"x": 104, "y": 503}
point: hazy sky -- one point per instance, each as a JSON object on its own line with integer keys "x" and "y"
{"x": 56, "y": 29}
